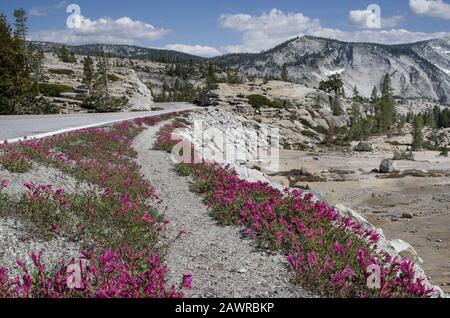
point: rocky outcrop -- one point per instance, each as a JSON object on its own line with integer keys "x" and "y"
{"x": 124, "y": 82}
{"x": 303, "y": 118}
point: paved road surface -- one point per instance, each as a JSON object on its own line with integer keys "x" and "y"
{"x": 13, "y": 128}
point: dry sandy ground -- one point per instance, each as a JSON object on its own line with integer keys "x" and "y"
{"x": 390, "y": 203}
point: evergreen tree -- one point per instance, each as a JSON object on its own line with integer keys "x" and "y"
{"x": 284, "y": 73}
{"x": 333, "y": 84}
{"x": 21, "y": 28}
{"x": 373, "y": 100}
{"x": 65, "y": 55}
{"x": 417, "y": 133}
{"x": 88, "y": 71}
{"x": 385, "y": 108}
{"x": 15, "y": 83}
{"x": 374, "y": 96}
{"x": 357, "y": 98}
{"x": 100, "y": 84}
{"x": 36, "y": 64}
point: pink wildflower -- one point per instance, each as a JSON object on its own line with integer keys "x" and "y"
{"x": 187, "y": 282}
{"x": 148, "y": 219}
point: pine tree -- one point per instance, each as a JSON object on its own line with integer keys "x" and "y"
{"x": 385, "y": 108}
{"x": 21, "y": 27}
{"x": 88, "y": 72}
{"x": 15, "y": 82}
{"x": 65, "y": 55}
{"x": 100, "y": 84}
{"x": 36, "y": 63}
{"x": 333, "y": 84}
{"x": 284, "y": 73}
{"x": 417, "y": 133}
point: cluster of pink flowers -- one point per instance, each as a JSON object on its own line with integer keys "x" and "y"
{"x": 329, "y": 253}
{"x": 102, "y": 274}
{"x": 104, "y": 158}
{"x": 165, "y": 140}
{"x": 13, "y": 159}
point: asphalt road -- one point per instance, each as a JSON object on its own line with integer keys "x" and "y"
{"x": 14, "y": 128}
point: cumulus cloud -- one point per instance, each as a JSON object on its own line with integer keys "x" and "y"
{"x": 104, "y": 31}
{"x": 393, "y": 36}
{"x": 270, "y": 29}
{"x": 431, "y": 8}
{"x": 359, "y": 18}
{"x": 43, "y": 11}
{"x": 200, "y": 50}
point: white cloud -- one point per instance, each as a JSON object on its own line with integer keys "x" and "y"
{"x": 267, "y": 30}
{"x": 431, "y": 8}
{"x": 43, "y": 11}
{"x": 391, "y": 22}
{"x": 359, "y": 18}
{"x": 393, "y": 36}
{"x": 105, "y": 31}
{"x": 200, "y": 50}
{"x": 270, "y": 29}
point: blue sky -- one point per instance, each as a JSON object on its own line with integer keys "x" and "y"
{"x": 212, "y": 27}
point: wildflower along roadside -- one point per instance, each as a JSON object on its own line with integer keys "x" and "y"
{"x": 329, "y": 254}
{"x": 116, "y": 220}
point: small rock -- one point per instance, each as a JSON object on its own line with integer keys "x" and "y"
{"x": 387, "y": 166}
{"x": 407, "y": 216}
{"x": 364, "y": 147}
{"x": 242, "y": 271}
{"x": 439, "y": 241}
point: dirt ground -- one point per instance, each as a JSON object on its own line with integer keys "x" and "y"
{"x": 414, "y": 209}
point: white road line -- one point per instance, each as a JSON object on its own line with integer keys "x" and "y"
{"x": 62, "y": 131}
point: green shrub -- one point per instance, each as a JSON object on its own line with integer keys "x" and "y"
{"x": 111, "y": 104}
{"x": 277, "y": 104}
{"x": 185, "y": 169}
{"x": 309, "y": 133}
{"x": 259, "y": 101}
{"x": 321, "y": 129}
{"x": 401, "y": 154}
{"x": 53, "y": 90}
{"x": 14, "y": 162}
{"x": 61, "y": 71}
{"x": 113, "y": 78}
{"x": 444, "y": 152}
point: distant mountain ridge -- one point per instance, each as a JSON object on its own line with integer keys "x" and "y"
{"x": 419, "y": 69}
{"x": 124, "y": 51}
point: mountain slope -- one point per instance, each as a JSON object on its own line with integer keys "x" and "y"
{"x": 418, "y": 69}
{"x": 125, "y": 51}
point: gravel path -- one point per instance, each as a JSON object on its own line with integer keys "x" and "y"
{"x": 222, "y": 264}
